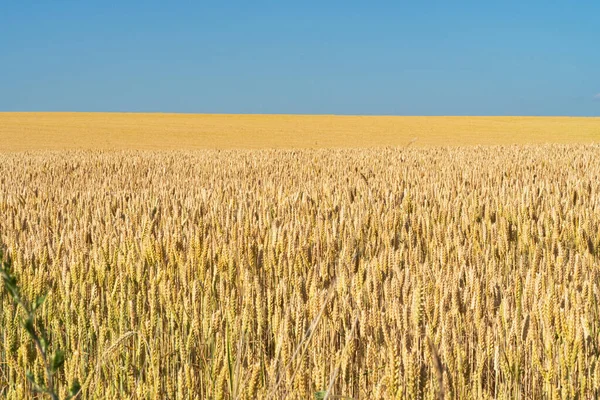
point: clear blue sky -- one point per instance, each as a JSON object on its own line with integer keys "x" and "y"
{"x": 315, "y": 57}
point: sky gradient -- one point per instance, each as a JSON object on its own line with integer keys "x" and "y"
{"x": 365, "y": 58}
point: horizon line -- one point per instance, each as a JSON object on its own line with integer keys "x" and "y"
{"x": 307, "y": 114}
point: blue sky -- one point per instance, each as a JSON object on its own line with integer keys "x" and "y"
{"x": 310, "y": 57}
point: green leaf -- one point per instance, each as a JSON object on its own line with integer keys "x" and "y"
{"x": 38, "y": 302}
{"x": 28, "y": 325}
{"x": 10, "y": 281}
{"x": 7, "y": 277}
{"x": 13, "y": 291}
{"x": 74, "y": 390}
{"x": 320, "y": 395}
{"x": 57, "y": 360}
{"x": 7, "y": 261}
{"x": 43, "y": 335}
{"x": 29, "y": 376}
{"x": 36, "y": 387}
{"x": 43, "y": 343}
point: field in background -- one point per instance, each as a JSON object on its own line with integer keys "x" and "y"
{"x": 59, "y": 131}
{"x": 370, "y": 274}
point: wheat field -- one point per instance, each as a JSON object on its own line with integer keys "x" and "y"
{"x": 384, "y": 273}
{"x": 123, "y": 131}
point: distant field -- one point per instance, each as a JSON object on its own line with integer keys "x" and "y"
{"x": 57, "y": 131}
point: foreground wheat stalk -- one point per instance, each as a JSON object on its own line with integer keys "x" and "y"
{"x": 384, "y": 273}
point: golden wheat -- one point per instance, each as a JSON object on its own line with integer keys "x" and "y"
{"x": 139, "y": 131}
{"x": 383, "y": 273}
